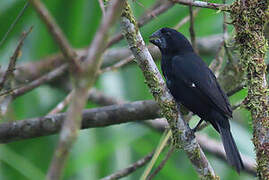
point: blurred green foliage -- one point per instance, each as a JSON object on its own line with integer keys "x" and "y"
{"x": 102, "y": 151}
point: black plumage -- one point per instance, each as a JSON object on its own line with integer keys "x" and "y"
{"x": 194, "y": 85}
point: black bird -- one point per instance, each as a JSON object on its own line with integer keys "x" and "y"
{"x": 194, "y": 85}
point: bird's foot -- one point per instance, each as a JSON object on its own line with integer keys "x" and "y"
{"x": 197, "y": 126}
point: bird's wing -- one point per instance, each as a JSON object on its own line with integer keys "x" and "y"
{"x": 191, "y": 69}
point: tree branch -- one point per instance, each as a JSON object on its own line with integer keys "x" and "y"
{"x": 203, "y": 4}
{"x": 102, "y": 117}
{"x": 55, "y": 31}
{"x": 61, "y": 105}
{"x": 14, "y": 23}
{"x": 8, "y": 76}
{"x": 161, "y": 165}
{"x": 249, "y": 27}
{"x": 42, "y": 80}
{"x": 96, "y": 117}
{"x": 191, "y": 29}
{"x": 12, "y": 62}
{"x": 130, "y": 169}
{"x": 102, "y": 6}
{"x": 182, "y": 135}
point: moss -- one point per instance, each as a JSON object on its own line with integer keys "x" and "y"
{"x": 249, "y": 19}
{"x": 168, "y": 107}
{"x": 127, "y": 13}
{"x": 197, "y": 153}
{"x": 208, "y": 177}
{"x": 169, "y": 110}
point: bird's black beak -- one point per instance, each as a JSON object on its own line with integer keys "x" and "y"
{"x": 155, "y": 38}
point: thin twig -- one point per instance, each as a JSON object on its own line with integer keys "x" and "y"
{"x": 203, "y": 4}
{"x": 56, "y": 32}
{"x": 60, "y": 106}
{"x": 216, "y": 64}
{"x": 93, "y": 95}
{"x": 186, "y": 19}
{"x": 155, "y": 6}
{"x": 130, "y": 169}
{"x": 12, "y": 63}
{"x": 235, "y": 90}
{"x": 102, "y": 99}
{"x": 225, "y": 36}
{"x": 225, "y": 29}
{"x": 161, "y": 165}
{"x": 191, "y": 29}
{"x": 118, "y": 64}
{"x": 102, "y": 6}
{"x": 159, "y": 9}
{"x": 203, "y": 125}
{"x": 162, "y": 144}
{"x": 14, "y": 23}
{"x": 237, "y": 105}
{"x": 144, "y": 20}
{"x": 43, "y": 79}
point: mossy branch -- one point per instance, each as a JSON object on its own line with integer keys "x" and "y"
{"x": 182, "y": 135}
{"x": 249, "y": 19}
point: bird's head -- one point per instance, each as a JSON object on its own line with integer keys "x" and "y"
{"x": 170, "y": 41}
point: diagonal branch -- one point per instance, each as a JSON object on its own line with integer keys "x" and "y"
{"x": 43, "y": 79}
{"x": 14, "y": 23}
{"x": 130, "y": 169}
{"x": 203, "y": 4}
{"x": 102, "y": 6}
{"x": 161, "y": 165}
{"x": 83, "y": 81}
{"x": 55, "y": 31}
{"x": 7, "y": 80}
{"x": 144, "y": 20}
{"x": 182, "y": 135}
{"x": 13, "y": 59}
{"x": 191, "y": 29}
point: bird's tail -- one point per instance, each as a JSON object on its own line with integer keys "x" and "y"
{"x": 232, "y": 153}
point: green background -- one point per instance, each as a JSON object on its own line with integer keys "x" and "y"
{"x": 102, "y": 151}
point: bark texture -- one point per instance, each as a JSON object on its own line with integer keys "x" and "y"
{"x": 249, "y": 18}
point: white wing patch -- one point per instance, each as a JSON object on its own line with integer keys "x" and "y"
{"x": 193, "y": 85}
